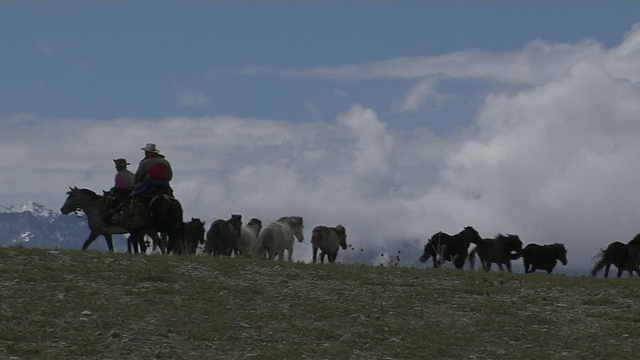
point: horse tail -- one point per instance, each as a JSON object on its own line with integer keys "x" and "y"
{"x": 472, "y": 258}
{"x": 600, "y": 264}
{"x": 316, "y": 236}
{"x": 212, "y": 239}
{"x": 265, "y": 242}
{"x": 175, "y": 215}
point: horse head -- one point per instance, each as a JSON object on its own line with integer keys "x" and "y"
{"x": 342, "y": 235}
{"x": 560, "y": 253}
{"x": 471, "y": 234}
{"x": 426, "y": 254}
{"x": 71, "y": 204}
{"x": 255, "y": 225}
{"x": 236, "y": 221}
{"x": 296, "y": 224}
{"x": 512, "y": 245}
{"x": 77, "y": 199}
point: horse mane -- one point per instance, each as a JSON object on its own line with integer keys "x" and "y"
{"x": 507, "y": 237}
{"x": 295, "y": 219}
{"x": 635, "y": 240}
{"x": 88, "y": 192}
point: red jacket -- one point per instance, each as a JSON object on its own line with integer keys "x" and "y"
{"x": 154, "y": 167}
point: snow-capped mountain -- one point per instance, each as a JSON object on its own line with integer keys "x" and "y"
{"x": 36, "y": 209}
{"x": 35, "y": 225}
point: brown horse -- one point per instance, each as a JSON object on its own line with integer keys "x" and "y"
{"x": 624, "y": 256}
{"x": 328, "y": 240}
{"x": 92, "y": 206}
{"x": 500, "y": 250}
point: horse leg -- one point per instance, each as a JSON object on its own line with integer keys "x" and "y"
{"x": 92, "y": 237}
{"x": 322, "y": 255}
{"x": 162, "y": 243}
{"x": 315, "y": 253}
{"x": 129, "y": 245}
{"x": 509, "y": 265}
{"x": 132, "y": 247}
{"x": 606, "y": 270}
{"x": 109, "y": 241}
{"x": 486, "y": 265}
{"x": 290, "y": 253}
{"x": 142, "y": 245}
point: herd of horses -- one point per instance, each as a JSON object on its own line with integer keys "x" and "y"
{"x": 170, "y": 234}
{"x": 164, "y": 225}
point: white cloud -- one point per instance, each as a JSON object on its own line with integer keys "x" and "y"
{"x": 536, "y": 63}
{"x": 420, "y": 95}
{"x": 194, "y": 99}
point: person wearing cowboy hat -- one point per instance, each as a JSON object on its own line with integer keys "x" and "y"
{"x": 153, "y": 171}
{"x": 124, "y": 178}
{"x": 119, "y": 193}
{"x": 152, "y": 177}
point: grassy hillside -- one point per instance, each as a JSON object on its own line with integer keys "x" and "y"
{"x": 96, "y": 305}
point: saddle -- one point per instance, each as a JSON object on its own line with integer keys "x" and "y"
{"x": 134, "y": 210}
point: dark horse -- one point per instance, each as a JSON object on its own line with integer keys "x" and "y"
{"x": 442, "y": 246}
{"x": 543, "y": 257}
{"x": 623, "y": 256}
{"x": 91, "y": 204}
{"x": 193, "y": 235}
{"x": 500, "y": 250}
{"x": 222, "y": 237}
{"x": 163, "y": 215}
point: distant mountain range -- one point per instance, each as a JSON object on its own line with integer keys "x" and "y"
{"x": 33, "y": 225}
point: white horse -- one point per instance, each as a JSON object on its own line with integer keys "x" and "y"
{"x": 277, "y": 237}
{"x": 248, "y": 239}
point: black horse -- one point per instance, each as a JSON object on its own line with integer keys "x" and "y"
{"x": 543, "y": 257}
{"x": 194, "y": 235}
{"x": 222, "y": 237}
{"x": 163, "y": 215}
{"x": 623, "y": 256}
{"x": 500, "y": 250}
{"x": 454, "y": 248}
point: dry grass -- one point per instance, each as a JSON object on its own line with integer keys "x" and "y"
{"x": 94, "y": 305}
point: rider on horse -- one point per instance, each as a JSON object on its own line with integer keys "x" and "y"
{"x": 119, "y": 193}
{"x": 152, "y": 178}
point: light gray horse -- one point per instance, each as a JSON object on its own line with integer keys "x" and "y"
{"x": 249, "y": 237}
{"x": 277, "y": 237}
{"x": 328, "y": 240}
{"x": 91, "y": 204}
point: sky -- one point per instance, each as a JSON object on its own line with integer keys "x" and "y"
{"x": 395, "y": 119}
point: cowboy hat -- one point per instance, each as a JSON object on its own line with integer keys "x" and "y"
{"x": 121, "y": 161}
{"x": 150, "y": 147}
